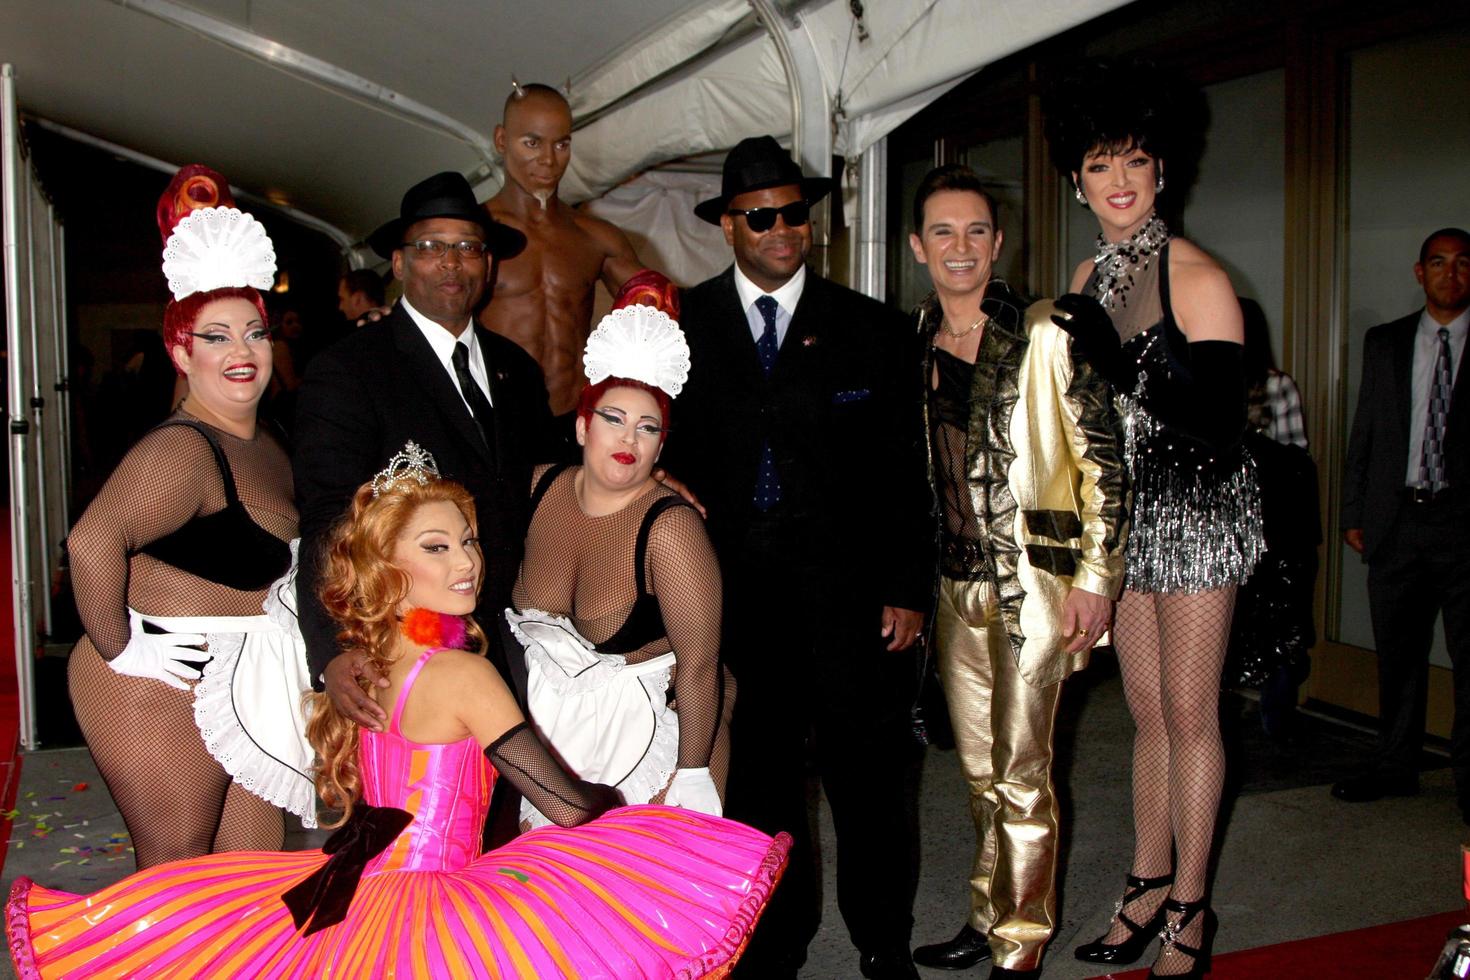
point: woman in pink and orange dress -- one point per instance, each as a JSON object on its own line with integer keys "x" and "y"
{"x": 645, "y": 891}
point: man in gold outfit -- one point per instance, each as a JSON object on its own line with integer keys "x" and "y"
{"x": 1025, "y": 462}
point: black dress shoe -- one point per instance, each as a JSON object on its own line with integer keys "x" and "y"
{"x": 1372, "y": 786}
{"x": 890, "y": 965}
{"x": 960, "y": 953}
{"x": 1001, "y": 973}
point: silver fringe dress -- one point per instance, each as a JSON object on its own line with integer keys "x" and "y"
{"x": 1196, "y": 511}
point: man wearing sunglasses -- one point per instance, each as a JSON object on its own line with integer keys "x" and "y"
{"x": 798, "y": 433}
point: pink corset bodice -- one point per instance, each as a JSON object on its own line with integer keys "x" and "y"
{"x": 446, "y": 788}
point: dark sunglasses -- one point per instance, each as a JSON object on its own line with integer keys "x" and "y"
{"x": 795, "y": 214}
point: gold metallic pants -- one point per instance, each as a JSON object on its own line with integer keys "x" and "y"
{"x": 1003, "y": 731}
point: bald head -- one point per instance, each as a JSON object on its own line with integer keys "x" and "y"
{"x": 535, "y": 139}
{"x": 533, "y": 94}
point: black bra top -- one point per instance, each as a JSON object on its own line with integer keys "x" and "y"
{"x": 645, "y": 622}
{"x": 226, "y": 547}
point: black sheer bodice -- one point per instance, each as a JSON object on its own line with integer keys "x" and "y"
{"x": 1196, "y": 521}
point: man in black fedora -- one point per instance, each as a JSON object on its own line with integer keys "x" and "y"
{"x": 797, "y": 432}
{"x": 426, "y": 372}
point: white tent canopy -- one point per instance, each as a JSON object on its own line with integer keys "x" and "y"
{"x": 333, "y": 107}
{"x": 860, "y": 78}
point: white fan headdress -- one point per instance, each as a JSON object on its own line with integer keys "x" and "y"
{"x": 639, "y": 343}
{"x": 215, "y": 247}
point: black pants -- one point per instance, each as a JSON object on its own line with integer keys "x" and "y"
{"x": 1416, "y": 574}
{"x": 817, "y": 690}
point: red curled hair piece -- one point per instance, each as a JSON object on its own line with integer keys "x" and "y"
{"x": 649, "y": 288}
{"x": 195, "y": 186}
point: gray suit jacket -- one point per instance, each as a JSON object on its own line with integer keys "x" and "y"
{"x": 1378, "y": 449}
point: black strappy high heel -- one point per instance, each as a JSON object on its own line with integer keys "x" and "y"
{"x": 1131, "y": 948}
{"x": 1170, "y": 938}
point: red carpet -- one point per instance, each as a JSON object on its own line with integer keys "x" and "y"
{"x": 1397, "y": 951}
{"x": 9, "y": 701}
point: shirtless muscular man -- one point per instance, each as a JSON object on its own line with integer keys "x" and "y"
{"x": 542, "y": 297}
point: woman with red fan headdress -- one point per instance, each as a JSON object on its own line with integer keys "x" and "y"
{"x": 176, "y": 566}
{"x": 618, "y": 597}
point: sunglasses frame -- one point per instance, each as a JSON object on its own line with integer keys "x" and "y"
{"x": 780, "y": 212}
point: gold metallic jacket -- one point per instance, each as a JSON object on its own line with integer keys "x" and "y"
{"x": 1053, "y": 510}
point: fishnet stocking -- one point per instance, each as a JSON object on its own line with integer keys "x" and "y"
{"x": 176, "y": 800}
{"x": 174, "y": 797}
{"x": 1172, "y": 649}
{"x": 582, "y": 567}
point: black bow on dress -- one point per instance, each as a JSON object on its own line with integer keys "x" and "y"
{"x": 324, "y": 895}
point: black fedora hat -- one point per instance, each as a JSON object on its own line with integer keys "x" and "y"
{"x": 445, "y": 195}
{"x": 754, "y": 164}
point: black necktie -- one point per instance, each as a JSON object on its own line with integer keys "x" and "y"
{"x": 480, "y": 408}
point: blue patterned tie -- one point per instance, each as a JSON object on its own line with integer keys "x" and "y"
{"x": 1431, "y": 463}
{"x": 767, "y": 484}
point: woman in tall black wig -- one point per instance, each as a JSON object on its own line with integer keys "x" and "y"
{"x": 1173, "y": 354}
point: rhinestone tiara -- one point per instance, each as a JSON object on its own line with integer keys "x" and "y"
{"x": 413, "y": 463}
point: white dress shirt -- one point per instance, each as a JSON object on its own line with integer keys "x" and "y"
{"x": 1421, "y": 377}
{"x": 443, "y": 342}
{"x": 786, "y": 299}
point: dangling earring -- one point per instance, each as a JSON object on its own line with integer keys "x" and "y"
{"x": 1159, "y": 182}
{"x": 1081, "y": 198}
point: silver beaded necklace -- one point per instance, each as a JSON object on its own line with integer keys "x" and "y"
{"x": 1117, "y": 262}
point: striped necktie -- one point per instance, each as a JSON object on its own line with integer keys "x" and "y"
{"x": 1431, "y": 462}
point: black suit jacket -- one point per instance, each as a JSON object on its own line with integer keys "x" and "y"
{"x": 845, "y": 432}
{"x": 363, "y": 398}
{"x": 1378, "y": 449}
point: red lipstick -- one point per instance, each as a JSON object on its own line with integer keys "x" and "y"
{"x": 627, "y": 459}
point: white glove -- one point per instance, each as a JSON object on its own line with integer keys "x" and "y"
{"x": 693, "y": 789}
{"x": 159, "y": 656}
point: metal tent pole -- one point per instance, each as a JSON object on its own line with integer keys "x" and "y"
{"x": 19, "y": 428}
{"x": 63, "y": 365}
{"x": 38, "y": 409}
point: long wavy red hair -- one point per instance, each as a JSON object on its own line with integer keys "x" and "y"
{"x": 361, "y": 590}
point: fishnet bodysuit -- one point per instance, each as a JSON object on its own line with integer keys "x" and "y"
{"x": 1171, "y": 647}
{"x": 176, "y": 800}
{"x": 949, "y": 399}
{"x": 582, "y": 567}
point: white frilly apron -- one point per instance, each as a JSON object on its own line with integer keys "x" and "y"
{"x": 606, "y": 719}
{"x": 249, "y": 702}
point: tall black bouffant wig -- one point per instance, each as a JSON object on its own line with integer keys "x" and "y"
{"x": 1113, "y": 106}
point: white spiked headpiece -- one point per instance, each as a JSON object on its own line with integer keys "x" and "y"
{"x": 413, "y": 463}
{"x": 639, "y": 343}
{"x": 215, "y": 247}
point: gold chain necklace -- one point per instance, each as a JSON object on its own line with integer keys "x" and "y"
{"x": 962, "y": 334}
